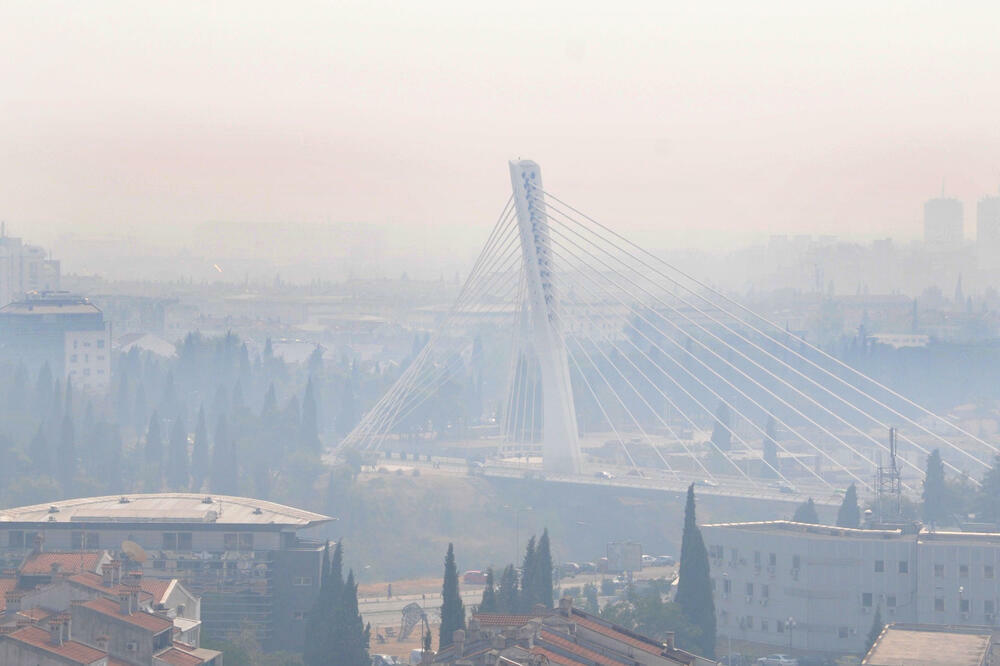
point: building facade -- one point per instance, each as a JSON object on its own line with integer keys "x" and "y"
{"x": 814, "y": 587}
{"x": 943, "y": 223}
{"x": 242, "y": 556}
{"x": 24, "y": 268}
{"x": 64, "y": 330}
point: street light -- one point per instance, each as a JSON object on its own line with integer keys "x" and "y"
{"x": 790, "y": 623}
{"x": 517, "y": 527}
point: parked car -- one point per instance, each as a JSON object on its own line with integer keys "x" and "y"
{"x": 604, "y": 475}
{"x": 648, "y": 561}
{"x": 474, "y": 577}
{"x": 777, "y": 660}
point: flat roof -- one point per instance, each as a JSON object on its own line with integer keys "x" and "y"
{"x": 164, "y": 508}
{"x": 915, "y": 645}
{"x": 809, "y": 529}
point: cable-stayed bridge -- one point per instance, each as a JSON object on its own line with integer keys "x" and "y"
{"x": 622, "y": 366}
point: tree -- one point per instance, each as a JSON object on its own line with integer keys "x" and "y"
{"x": 39, "y": 452}
{"x": 849, "y": 514}
{"x": 318, "y": 621}
{"x": 876, "y": 629}
{"x": 508, "y": 594}
{"x": 352, "y": 647}
{"x": 806, "y": 513}
{"x": 452, "y": 610}
{"x": 224, "y": 469}
{"x": 694, "y": 587}
{"x": 200, "y": 454}
{"x": 935, "y": 494}
{"x": 488, "y": 604}
{"x": 529, "y": 579}
{"x": 543, "y": 571}
{"x": 177, "y": 459}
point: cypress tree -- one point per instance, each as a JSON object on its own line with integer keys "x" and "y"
{"x": 694, "y": 588}
{"x": 66, "y": 460}
{"x": 154, "y": 443}
{"x": 452, "y": 610}
{"x": 529, "y": 578}
{"x": 806, "y": 513}
{"x": 199, "y": 454}
{"x": 353, "y": 649}
{"x": 936, "y": 505}
{"x": 177, "y": 460}
{"x": 507, "y": 591}
{"x": 876, "y": 629}
{"x": 543, "y": 571}
{"x": 318, "y": 622}
{"x": 488, "y": 604}
{"x": 849, "y": 514}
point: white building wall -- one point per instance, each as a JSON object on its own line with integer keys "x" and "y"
{"x": 88, "y": 359}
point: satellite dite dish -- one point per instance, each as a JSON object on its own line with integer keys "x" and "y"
{"x": 134, "y": 551}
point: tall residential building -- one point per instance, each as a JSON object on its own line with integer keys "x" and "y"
{"x": 988, "y": 231}
{"x": 793, "y": 586}
{"x": 64, "y": 330}
{"x": 943, "y": 223}
{"x": 242, "y": 556}
{"x": 24, "y": 268}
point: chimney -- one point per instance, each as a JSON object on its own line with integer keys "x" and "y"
{"x": 68, "y": 622}
{"x": 566, "y": 606}
{"x": 669, "y": 640}
{"x": 116, "y": 572}
{"x": 39, "y": 544}
{"x": 458, "y": 638}
{"x": 13, "y": 600}
{"x": 133, "y": 595}
{"x": 56, "y": 631}
{"x": 54, "y": 568}
{"x": 124, "y": 602}
{"x": 107, "y": 575}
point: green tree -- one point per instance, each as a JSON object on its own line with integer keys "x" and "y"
{"x": 849, "y": 513}
{"x": 177, "y": 459}
{"x": 508, "y": 593}
{"x": 937, "y": 504}
{"x": 806, "y": 513}
{"x": 590, "y": 594}
{"x": 318, "y": 622}
{"x": 876, "y": 629}
{"x": 488, "y": 604}
{"x": 452, "y": 610}
{"x": 543, "y": 571}
{"x": 224, "y": 465}
{"x": 353, "y": 636}
{"x": 199, "y": 453}
{"x": 529, "y": 578}
{"x": 694, "y": 588}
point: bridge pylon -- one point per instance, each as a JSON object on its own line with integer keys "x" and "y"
{"x": 560, "y": 438}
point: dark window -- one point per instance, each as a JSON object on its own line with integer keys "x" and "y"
{"x": 183, "y": 541}
{"x": 84, "y": 540}
{"x": 15, "y": 539}
{"x": 796, "y": 561}
{"x": 963, "y": 571}
{"x": 765, "y": 591}
{"x": 230, "y": 540}
{"x": 842, "y": 632}
{"x": 169, "y": 541}
{"x": 779, "y": 626}
{"x": 879, "y": 566}
{"x": 749, "y": 589}
{"x": 988, "y": 571}
{"x": 904, "y": 566}
{"x": 866, "y": 599}
{"x": 939, "y": 571}
{"x": 246, "y": 541}
{"x": 772, "y": 560}
{"x": 890, "y": 601}
{"x": 939, "y": 604}
{"x": 963, "y": 605}
{"x": 988, "y": 607}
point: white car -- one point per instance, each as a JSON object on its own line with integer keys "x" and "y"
{"x": 777, "y": 660}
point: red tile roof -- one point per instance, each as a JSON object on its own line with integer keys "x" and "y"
{"x": 578, "y": 650}
{"x": 72, "y": 650}
{"x": 96, "y": 582}
{"x": 6, "y": 585}
{"x": 179, "y": 658}
{"x": 157, "y": 587}
{"x": 554, "y": 658}
{"x": 148, "y": 621}
{"x": 37, "y": 613}
{"x": 619, "y": 634}
{"x": 39, "y": 564}
{"x": 117, "y": 662}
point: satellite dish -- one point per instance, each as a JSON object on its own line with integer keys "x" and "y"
{"x": 134, "y": 551}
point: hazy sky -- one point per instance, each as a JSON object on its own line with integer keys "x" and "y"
{"x": 676, "y": 121}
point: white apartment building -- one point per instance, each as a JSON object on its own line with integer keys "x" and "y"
{"x": 813, "y": 587}
{"x": 24, "y": 268}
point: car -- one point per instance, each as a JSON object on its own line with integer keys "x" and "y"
{"x": 648, "y": 560}
{"x": 605, "y": 475}
{"x": 777, "y": 660}
{"x": 664, "y": 561}
{"x": 708, "y": 483}
{"x": 786, "y": 490}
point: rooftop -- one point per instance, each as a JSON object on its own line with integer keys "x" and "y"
{"x": 168, "y": 508}
{"x": 147, "y": 621}
{"x": 918, "y": 645}
{"x": 71, "y": 650}
{"x": 789, "y": 527}
{"x": 43, "y": 564}
{"x": 51, "y": 302}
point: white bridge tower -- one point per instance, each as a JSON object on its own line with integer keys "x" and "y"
{"x": 560, "y": 439}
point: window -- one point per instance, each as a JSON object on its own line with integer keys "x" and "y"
{"x": 749, "y": 589}
{"x": 100, "y": 344}
{"x": 988, "y": 571}
{"x": 963, "y": 605}
{"x": 727, "y": 586}
{"x": 229, "y": 541}
{"x": 796, "y": 561}
{"x": 765, "y": 591}
{"x": 890, "y": 601}
{"x": 84, "y": 540}
{"x": 298, "y": 615}
{"x": 779, "y": 626}
{"x": 939, "y": 604}
{"x": 176, "y": 541}
{"x": 302, "y": 581}
{"x": 169, "y": 541}
{"x": 866, "y": 599}
{"x": 756, "y": 558}
{"x": 963, "y": 570}
{"x": 246, "y": 541}
{"x": 879, "y": 566}
{"x": 749, "y": 621}
{"x": 904, "y": 566}
{"x": 86, "y": 372}
{"x": 735, "y": 555}
{"x": 764, "y": 624}
{"x": 989, "y": 607}
{"x": 15, "y": 539}
{"x": 772, "y": 560}
{"x": 939, "y": 571}
{"x": 842, "y": 632}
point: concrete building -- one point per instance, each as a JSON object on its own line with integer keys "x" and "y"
{"x": 943, "y": 223}
{"x": 24, "y": 268}
{"x": 925, "y": 645}
{"x": 242, "y": 556}
{"x": 813, "y": 587}
{"x": 988, "y": 232}
{"x": 64, "y": 330}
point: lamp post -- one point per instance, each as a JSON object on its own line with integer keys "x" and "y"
{"x": 517, "y": 527}
{"x": 790, "y": 623}
{"x": 729, "y": 631}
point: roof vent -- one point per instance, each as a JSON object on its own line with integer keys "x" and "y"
{"x": 53, "y": 509}
{"x": 124, "y": 500}
{"x": 52, "y": 519}
{"x": 206, "y": 500}
{"x": 257, "y": 511}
